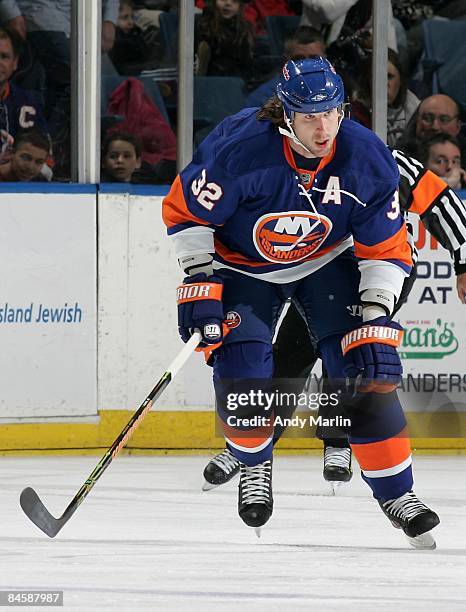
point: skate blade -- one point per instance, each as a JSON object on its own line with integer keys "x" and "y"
{"x": 208, "y": 486}
{"x": 334, "y": 486}
{"x": 257, "y": 531}
{"x": 425, "y": 541}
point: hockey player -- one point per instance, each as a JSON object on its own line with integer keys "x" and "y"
{"x": 270, "y": 208}
{"x": 443, "y": 214}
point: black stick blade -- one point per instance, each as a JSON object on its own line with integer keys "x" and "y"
{"x": 38, "y": 513}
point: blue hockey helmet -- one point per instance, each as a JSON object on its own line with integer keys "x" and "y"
{"x": 309, "y": 86}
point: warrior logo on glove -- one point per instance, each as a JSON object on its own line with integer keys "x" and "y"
{"x": 200, "y": 307}
{"x": 372, "y": 363}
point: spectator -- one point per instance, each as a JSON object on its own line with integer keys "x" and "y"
{"x": 224, "y": 41}
{"x": 437, "y": 114}
{"x": 122, "y": 162}
{"x": 257, "y": 11}
{"x": 347, "y": 29}
{"x": 18, "y": 108}
{"x": 130, "y": 51}
{"x": 402, "y": 102}
{"x": 30, "y": 152}
{"x": 343, "y": 19}
{"x": 303, "y": 43}
{"x": 143, "y": 119}
{"x": 121, "y": 157}
{"x": 46, "y": 26}
{"x": 442, "y": 155}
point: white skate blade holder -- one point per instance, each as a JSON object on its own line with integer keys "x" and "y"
{"x": 336, "y": 486}
{"x": 208, "y": 486}
{"x": 425, "y": 541}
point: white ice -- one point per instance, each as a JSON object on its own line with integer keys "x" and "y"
{"x": 147, "y": 538}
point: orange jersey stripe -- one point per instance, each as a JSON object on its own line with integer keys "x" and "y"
{"x": 395, "y": 247}
{"x": 384, "y": 454}
{"x": 175, "y": 209}
{"x": 233, "y": 257}
{"x": 426, "y": 191}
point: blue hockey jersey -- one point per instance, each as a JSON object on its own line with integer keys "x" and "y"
{"x": 19, "y": 110}
{"x": 243, "y": 199}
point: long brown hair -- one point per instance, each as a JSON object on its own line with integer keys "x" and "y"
{"x": 272, "y": 111}
{"x": 211, "y": 24}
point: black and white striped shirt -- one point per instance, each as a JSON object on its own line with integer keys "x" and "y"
{"x": 441, "y": 210}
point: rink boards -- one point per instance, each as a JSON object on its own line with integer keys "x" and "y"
{"x": 88, "y": 325}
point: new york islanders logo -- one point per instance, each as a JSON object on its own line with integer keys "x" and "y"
{"x": 232, "y": 319}
{"x": 290, "y": 236}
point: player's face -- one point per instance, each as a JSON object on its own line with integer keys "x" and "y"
{"x": 8, "y": 61}
{"x": 121, "y": 161}
{"x": 27, "y": 161}
{"x": 317, "y": 131}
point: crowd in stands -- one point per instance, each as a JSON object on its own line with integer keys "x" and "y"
{"x": 246, "y": 40}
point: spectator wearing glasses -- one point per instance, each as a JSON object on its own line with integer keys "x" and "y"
{"x": 437, "y": 114}
{"x": 442, "y": 155}
{"x": 303, "y": 43}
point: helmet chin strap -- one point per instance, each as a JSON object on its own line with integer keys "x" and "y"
{"x": 291, "y": 133}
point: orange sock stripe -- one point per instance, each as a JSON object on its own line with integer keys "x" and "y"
{"x": 252, "y": 438}
{"x": 384, "y": 454}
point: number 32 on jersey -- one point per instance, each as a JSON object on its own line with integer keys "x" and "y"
{"x": 207, "y": 194}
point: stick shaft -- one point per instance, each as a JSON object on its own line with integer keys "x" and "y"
{"x": 33, "y": 506}
{"x": 135, "y": 421}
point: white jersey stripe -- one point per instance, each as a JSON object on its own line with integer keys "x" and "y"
{"x": 408, "y": 162}
{"x": 407, "y": 176}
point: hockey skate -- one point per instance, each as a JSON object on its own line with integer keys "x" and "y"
{"x": 255, "y": 501}
{"x": 413, "y": 517}
{"x": 222, "y": 468}
{"x": 337, "y": 466}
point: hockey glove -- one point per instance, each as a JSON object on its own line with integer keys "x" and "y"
{"x": 200, "y": 307}
{"x": 372, "y": 363}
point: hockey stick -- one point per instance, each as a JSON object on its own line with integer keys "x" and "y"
{"x": 30, "y": 501}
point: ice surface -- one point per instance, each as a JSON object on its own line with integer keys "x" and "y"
{"x": 147, "y": 538}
